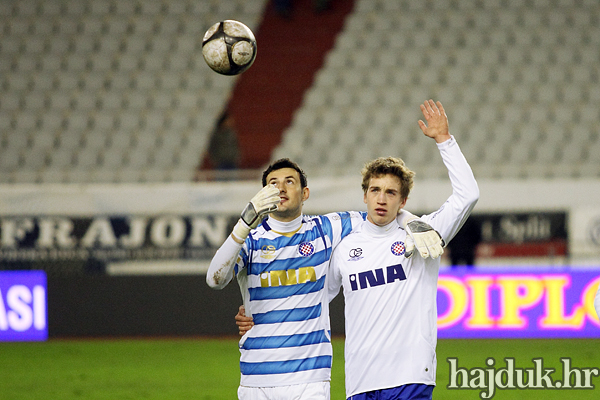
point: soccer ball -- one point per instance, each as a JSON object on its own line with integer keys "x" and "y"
{"x": 229, "y": 47}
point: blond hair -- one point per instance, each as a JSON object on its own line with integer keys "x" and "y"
{"x": 392, "y": 166}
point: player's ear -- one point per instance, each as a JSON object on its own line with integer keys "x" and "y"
{"x": 305, "y": 193}
{"x": 365, "y": 197}
{"x": 401, "y": 206}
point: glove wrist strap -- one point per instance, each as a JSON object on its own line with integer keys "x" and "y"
{"x": 417, "y": 226}
{"x": 240, "y": 231}
{"x": 249, "y": 215}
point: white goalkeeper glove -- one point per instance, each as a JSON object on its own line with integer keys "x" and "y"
{"x": 263, "y": 203}
{"x": 428, "y": 241}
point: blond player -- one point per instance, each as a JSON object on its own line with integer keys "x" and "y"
{"x": 281, "y": 264}
{"x": 390, "y": 300}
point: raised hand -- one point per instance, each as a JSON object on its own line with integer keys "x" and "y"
{"x": 436, "y": 126}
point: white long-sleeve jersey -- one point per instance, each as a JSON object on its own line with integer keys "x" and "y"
{"x": 390, "y": 301}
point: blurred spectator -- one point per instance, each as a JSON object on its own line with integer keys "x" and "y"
{"x": 463, "y": 246}
{"x": 223, "y": 149}
{"x": 285, "y": 7}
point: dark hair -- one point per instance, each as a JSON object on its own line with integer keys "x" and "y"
{"x": 285, "y": 163}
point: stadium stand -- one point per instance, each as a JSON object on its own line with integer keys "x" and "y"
{"x": 519, "y": 79}
{"x": 108, "y": 90}
{"x": 117, "y": 91}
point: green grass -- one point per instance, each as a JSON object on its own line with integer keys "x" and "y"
{"x": 119, "y": 369}
{"x": 207, "y": 369}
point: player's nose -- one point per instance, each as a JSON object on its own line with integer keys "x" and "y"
{"x": 280, "y": 186}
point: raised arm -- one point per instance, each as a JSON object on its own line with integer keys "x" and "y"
{"x": 221, "y": 269}
{"x": 465, "y": 192}
{"x": 437, "y": 121}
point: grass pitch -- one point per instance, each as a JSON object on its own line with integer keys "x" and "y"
{"x": 207, "y": 369}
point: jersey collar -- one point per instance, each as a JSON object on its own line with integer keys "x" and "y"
{"x": 283, "y": 228}
{"x": 374, "y": 230}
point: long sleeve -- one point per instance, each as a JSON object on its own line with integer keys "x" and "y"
{"x": 334, "y": 278}
{"x": 221, "y": 269}
{"x": 465, "y": 192}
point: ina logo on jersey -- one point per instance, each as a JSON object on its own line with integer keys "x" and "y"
{"x": 377, "y": 277}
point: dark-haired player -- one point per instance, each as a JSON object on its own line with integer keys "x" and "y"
{"x": 281, "y": 264}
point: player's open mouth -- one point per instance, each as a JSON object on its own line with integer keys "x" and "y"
{"x": 381, "y": 211}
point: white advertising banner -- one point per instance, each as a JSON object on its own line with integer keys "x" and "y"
{"x": 153, "y": 228}
{"x": 584, "y": 227}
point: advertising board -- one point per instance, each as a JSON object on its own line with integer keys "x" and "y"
{"x": 23, "y": 306}
{"x": 528, "y": 302}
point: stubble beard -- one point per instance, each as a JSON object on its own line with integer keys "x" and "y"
{"x": 288, "y": 214}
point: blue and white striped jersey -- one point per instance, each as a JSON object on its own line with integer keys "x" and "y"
{"x": 282, "y": 277}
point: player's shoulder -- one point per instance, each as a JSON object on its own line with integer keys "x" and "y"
{"x": 348, "y": 244}
{"x": 354, "y": 236}
{"x": 260, "y": 231}
{"x": 328, "y": 218}
{"x": 311, "y": 219}
{"x": 343, "y": 216}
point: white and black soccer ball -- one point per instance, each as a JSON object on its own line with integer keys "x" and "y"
{"x": 229, "y": 47}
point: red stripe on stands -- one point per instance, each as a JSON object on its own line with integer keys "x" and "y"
{"x": 527, "y": 249}
{"x": 289, "y": 53}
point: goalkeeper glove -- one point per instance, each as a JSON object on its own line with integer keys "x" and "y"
{"x": 428, "y": 241}
{"x": 263, "y": 203}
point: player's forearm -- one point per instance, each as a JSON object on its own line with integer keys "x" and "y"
{"x": 221, "y": 269}
{"x": 404, "y": 217}
{"x": 465, "y": 192}
{"x": 464, "y": 185}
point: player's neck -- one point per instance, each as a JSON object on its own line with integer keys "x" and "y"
{"x": 285, "y": 226}
{"x": 376, "y": 230}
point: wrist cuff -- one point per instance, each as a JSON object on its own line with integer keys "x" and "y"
{"x": 240, "y": 231}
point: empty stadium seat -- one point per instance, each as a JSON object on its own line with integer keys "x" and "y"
{"x": 84, "y": 78}
{"x": 517, "y": 71}
{"x": 103, "y": 74}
